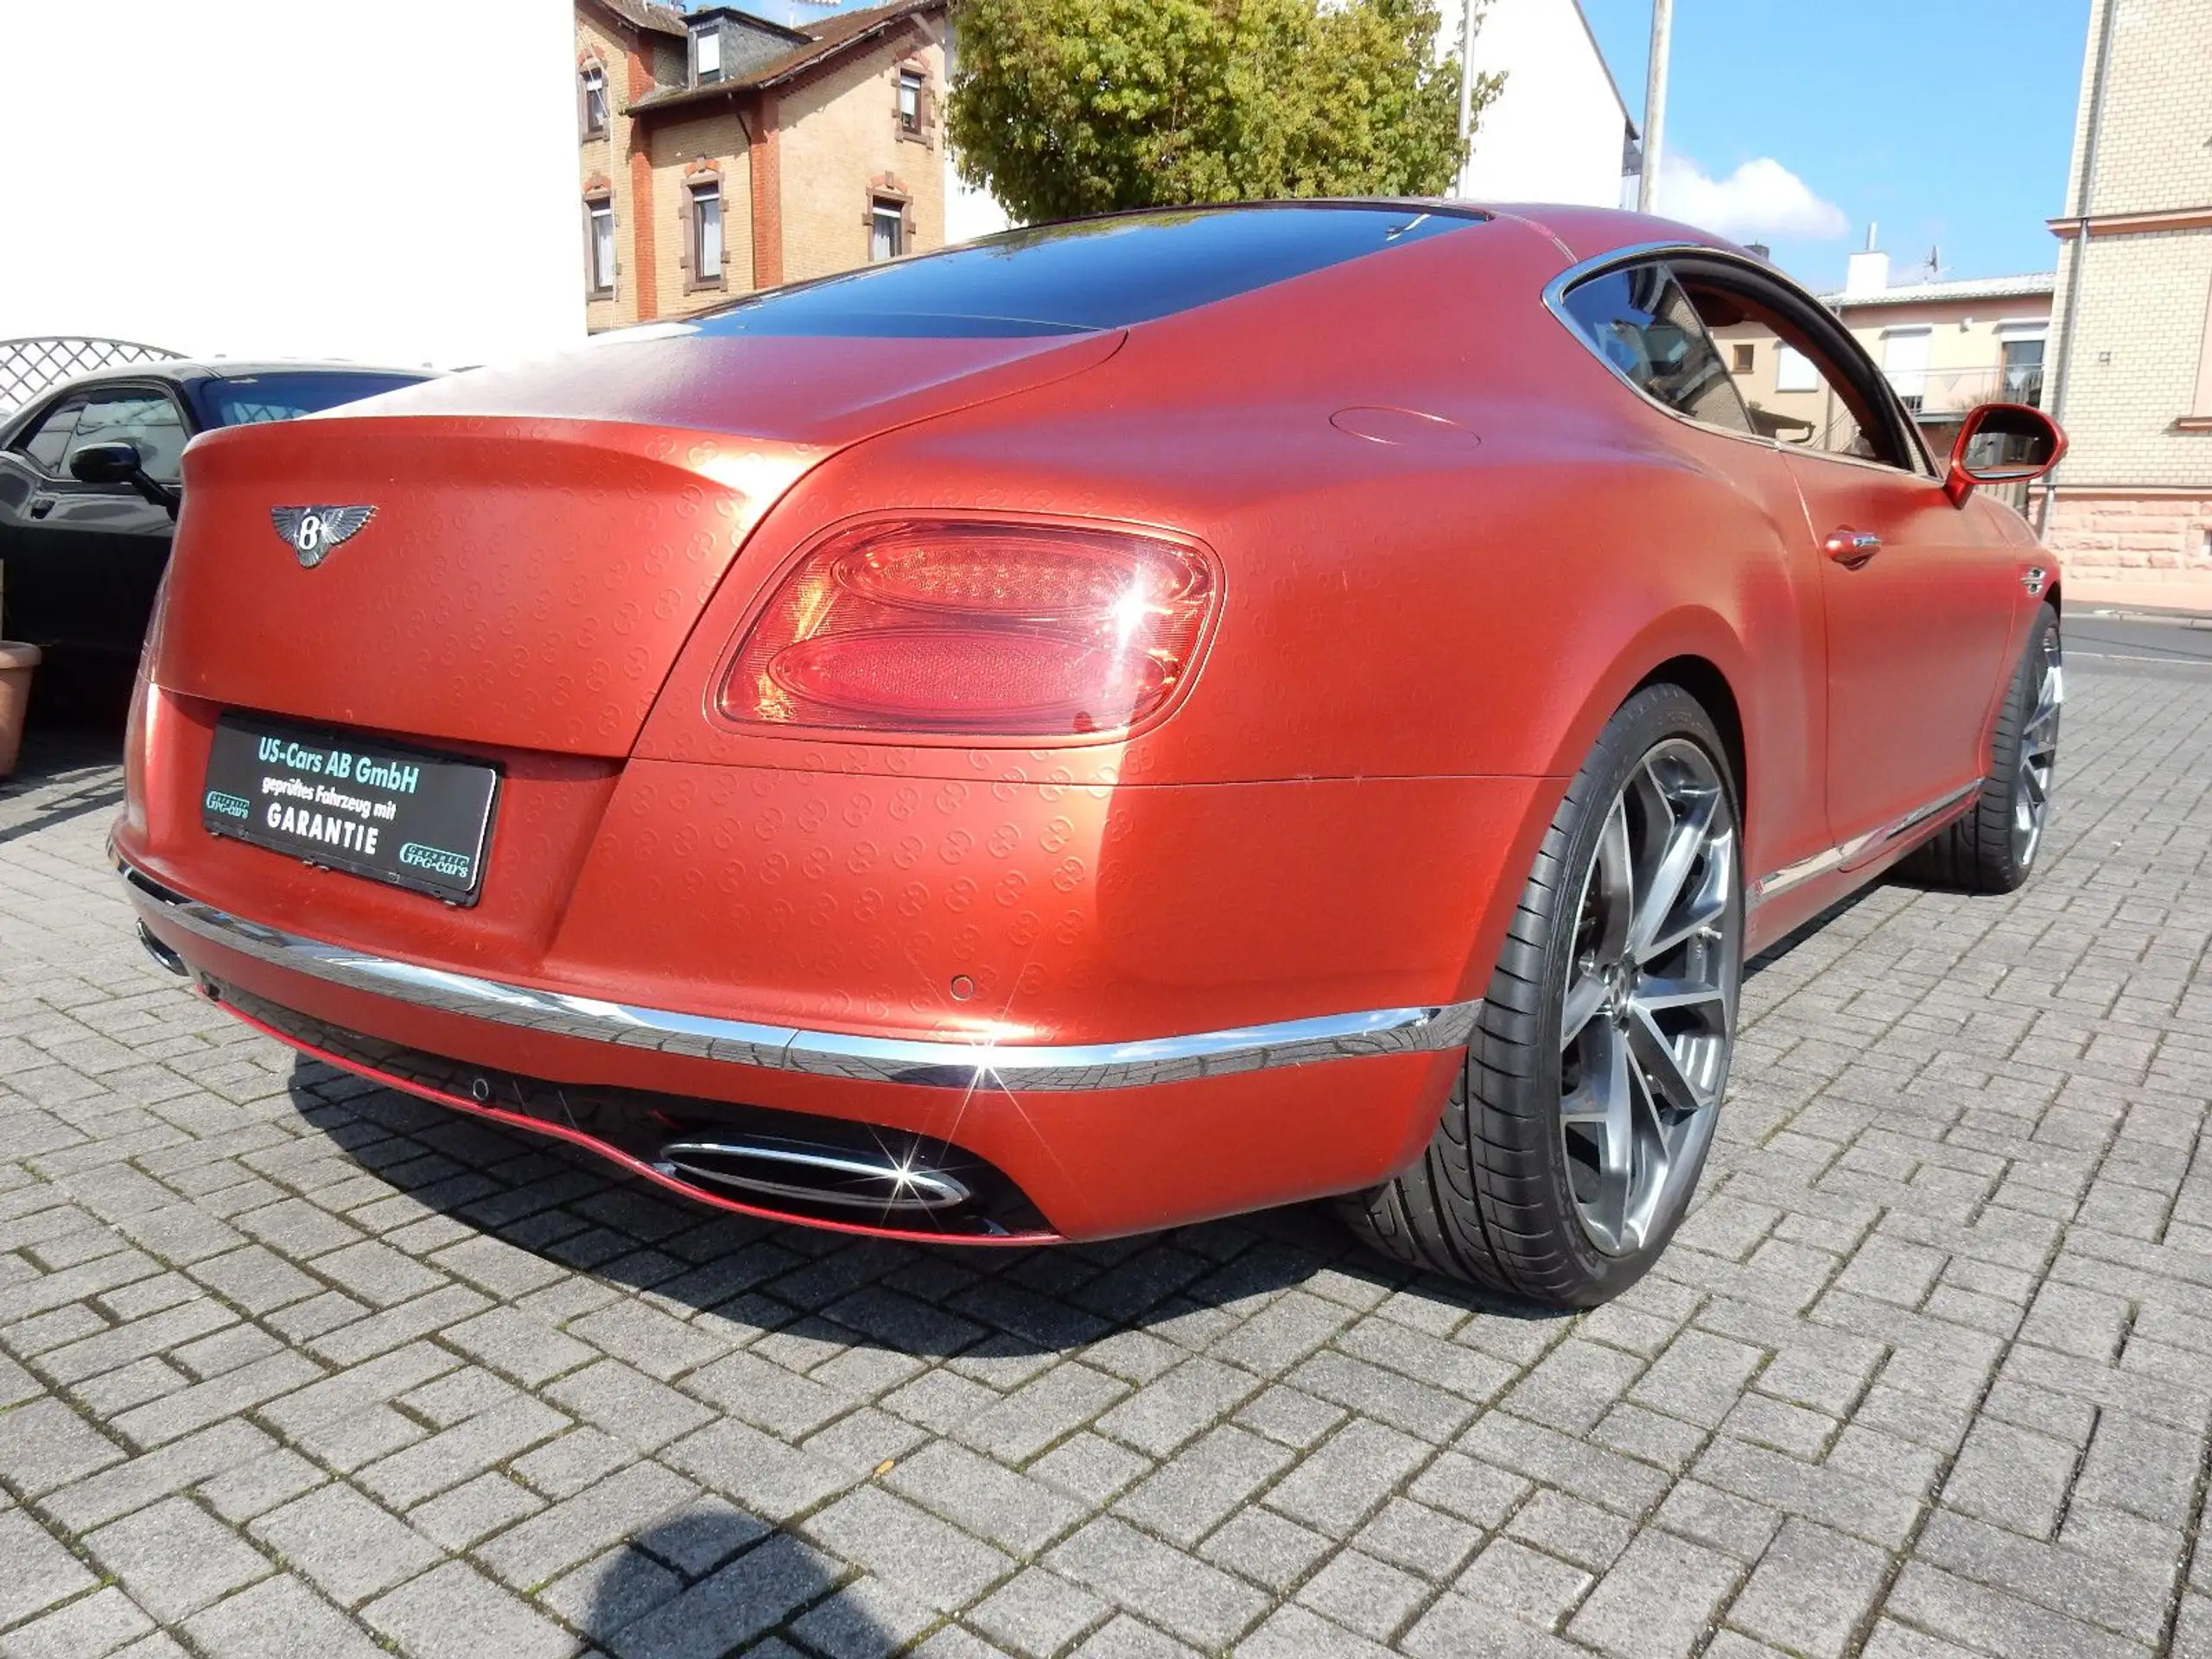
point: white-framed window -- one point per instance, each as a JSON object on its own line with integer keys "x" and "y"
{"x": 910, "y": 101}
{"x": 887, "y": 229}
{"x": 1794, "y": 371}
{"x": 599, "y": 243}
{"x": 595, "y": 97}
{"x": 706, "y": 54}
{"x": 1904, "y": 361}
{"x": 707, "y": 231}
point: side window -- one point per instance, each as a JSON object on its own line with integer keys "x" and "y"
{"x": 1796, "y": 390}
{"x": 147, "y": 418}
{"x": 1640, "y": 322}
{"x": 49, "y": 441}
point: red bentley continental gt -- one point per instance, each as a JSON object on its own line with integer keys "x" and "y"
{"x": 1120, "y": 724}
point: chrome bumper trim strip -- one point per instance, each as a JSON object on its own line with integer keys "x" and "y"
{"x": 942, "y": 1064}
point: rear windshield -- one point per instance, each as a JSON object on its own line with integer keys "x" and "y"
{"x": 243, "y": 400}
{"x": 1098, "y": 273}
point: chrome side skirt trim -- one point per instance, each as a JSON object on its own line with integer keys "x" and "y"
{"x": 950, "y": 1064}
{"x": 1849, "y": 854}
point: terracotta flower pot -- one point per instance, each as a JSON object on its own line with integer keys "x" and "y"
{"x": 16, "y": 663}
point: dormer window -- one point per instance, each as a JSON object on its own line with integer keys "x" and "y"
{"x": 706, "y": 54}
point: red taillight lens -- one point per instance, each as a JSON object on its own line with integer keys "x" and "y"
{"x": 1007, "y": 630}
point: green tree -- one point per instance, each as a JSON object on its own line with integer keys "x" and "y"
{"x": 1066, "y": 107}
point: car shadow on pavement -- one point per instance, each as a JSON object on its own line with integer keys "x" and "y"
{"x": 713, "y": 1579}
{"x": 930, "y": 1302}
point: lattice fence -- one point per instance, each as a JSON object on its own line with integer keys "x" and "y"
{"x": 27, "y": 367}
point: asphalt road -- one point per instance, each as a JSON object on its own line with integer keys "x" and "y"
{"x": 2116, "y": 637}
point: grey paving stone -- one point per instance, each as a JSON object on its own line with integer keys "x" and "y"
{"x": 909, "y": 1548}
{"x": 122, "y": 1488}
{"x": 1993, "y": 1621}
{"x": 768, "y": 1476}
{"x": 174, "y": 1558}
{"x": 1194, "y": 1601}
{"x": 454, "y": 1613}
{"x": 1295, "y": 1632}
{"x": 862, "y": 1618}
{"x": 1943, "y": 1310}
{"x": 345, "y": 1544}
{"x": 99, "y": 1623}
{"x": 557, "y": 1538}
{"x": 611, "y": 1592}
{"x": 754, "y": 1592}
{"x": 1020, "y": 1514}
{"x": 1657, "y": 1599}
{"x": 1515, "y": 1578}
{"x": 1209, "y": 1480}
{"x": 1172, "y": 1409}
{"x": 1811, "y": 1591}
{"x": 1265, "y": 1548}
{"x": 1036, "y": 1614}
{"x": 40, "y": 1571}
{"x": 1343, "y": 1482}
{"x": 1362, "y": 1594}
{"x": 1124, "y": 1637}
{"x": 629, "y": 1405}
{"x": 278, "y": 1618}
{"x": 512, "y": 1341}
{"x": 44, "y": 1445}
{"x": 470, "y": 1512}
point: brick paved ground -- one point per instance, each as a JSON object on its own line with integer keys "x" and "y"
{"x": 292, "y": 1366}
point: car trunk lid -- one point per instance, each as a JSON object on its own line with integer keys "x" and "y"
{"x": 542, "y": 539}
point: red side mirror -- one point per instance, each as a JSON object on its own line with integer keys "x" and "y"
{"x": 2002, "y": 443}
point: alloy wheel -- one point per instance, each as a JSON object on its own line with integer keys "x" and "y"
{"x": 2038, "y": 752}
{"x": 1649, "y": 1008}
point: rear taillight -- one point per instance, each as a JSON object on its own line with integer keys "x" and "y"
{"x": 1015, "y": 630}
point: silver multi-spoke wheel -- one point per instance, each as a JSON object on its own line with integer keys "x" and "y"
{"x": 1571, "y": 1140}
{"x": 2038, "y": 750}
{"x": 1649, "y": 1007}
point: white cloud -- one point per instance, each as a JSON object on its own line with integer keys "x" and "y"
{"x": 1762, "y": 198}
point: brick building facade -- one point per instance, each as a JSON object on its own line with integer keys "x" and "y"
{"x": 719, "y": 153}
{"x": 2130, "y": 509}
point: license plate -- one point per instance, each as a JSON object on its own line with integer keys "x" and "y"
{"x": 415, "y": 820}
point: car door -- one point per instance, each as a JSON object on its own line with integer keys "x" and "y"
{"x": 92, "y": 554}
{"x": 1919, "y": 608}
{"x": 35, "y": 598}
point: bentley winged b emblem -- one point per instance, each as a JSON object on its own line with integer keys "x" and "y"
{"x": 313, "y": 531}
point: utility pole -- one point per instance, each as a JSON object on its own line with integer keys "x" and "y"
{"x": 1655, "y": 107}
{"x": 1466, "y": 83}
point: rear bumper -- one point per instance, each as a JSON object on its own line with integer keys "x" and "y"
{"x": 1093, "y": 1139}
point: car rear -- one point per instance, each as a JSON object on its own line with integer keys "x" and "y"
{"x": 803, "y": 832}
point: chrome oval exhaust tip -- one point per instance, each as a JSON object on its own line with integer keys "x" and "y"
{"x": 161, "y": 953}
{"x": 795, "y": 1171}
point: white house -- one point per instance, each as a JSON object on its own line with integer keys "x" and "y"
{"x": 1559, "y": 131}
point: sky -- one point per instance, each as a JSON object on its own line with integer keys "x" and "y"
{"x": 1946, "y": 122}
{"x": 289, "y": 182}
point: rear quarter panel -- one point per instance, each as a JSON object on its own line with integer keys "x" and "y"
{"x": 1472, "y": 603}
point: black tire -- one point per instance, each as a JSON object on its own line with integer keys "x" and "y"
{"x": 1494, "y": 1198}
{"x": 1993, "y": 847}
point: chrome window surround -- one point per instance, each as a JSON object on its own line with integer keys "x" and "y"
{"x": 1640, "y": 252}
{"x": 950, "y": 1064}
